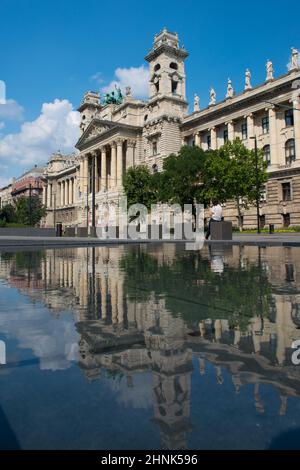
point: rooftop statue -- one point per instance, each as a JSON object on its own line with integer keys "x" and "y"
{"x": 295, "y": 59}
{"x": 115, "y": 97}
{"x": 270, "y": 71}
{"x": 248, "y": 85}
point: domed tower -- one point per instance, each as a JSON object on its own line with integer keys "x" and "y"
{"x": 167, "y": 104}
{"x": 89, "y": 108}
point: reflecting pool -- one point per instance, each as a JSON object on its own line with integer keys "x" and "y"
{"x": 150, "y": 347}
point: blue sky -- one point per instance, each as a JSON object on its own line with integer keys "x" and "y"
{"x": 50, "y": 50}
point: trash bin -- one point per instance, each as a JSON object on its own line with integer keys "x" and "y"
{"x": 59, "y": 230}
{"x": 271, "y": 228}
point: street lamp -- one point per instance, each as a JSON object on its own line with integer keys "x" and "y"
{"x": 257, "y": 184}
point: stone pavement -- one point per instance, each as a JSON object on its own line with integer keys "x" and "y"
{"x": 17, "y": 242}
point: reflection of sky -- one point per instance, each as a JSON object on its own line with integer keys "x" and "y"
{"x": 137, "y": 396}
{"x": 52, "y": 341}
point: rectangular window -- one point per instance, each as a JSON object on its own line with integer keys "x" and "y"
{"x": 208, "y": 140}
{"x": 265, "y": 125}
{"x": 244, "y": 131}
{"x": 289, "y": 273}
{"x": 286, "y": 191}
{"x": 225, "y": 136}
{"x": 286, "y": 220}
{"x": 263, "y": 194}
{"x": 262, "y": 221}
{"x": 289, "y": 117}
{"x": 154, "y": 148}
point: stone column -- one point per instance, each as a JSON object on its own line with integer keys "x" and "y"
{"x": 230, "y": 129}
{"x": 81, "y": 168}
{"x": 95, "y": 156}
{"x": 85, "y": 173}
{"x": 45, "y": 195}
{"x": 113, "y": 165}
{"x": 197, "y": 139}
{"x": 49, "y": 195}
{"x": 103, "y": 169}
{"x": 130, "y": 153}
{"x": 119, "y": 162}
{"x": 213, "y": 136}
{"x": 296, "y": 105}
{"x": 67, "y": 192}
{"x": 250, "y": 130}
{"x": 62, "y": 194}
{"x": 273, "y": 136}
{"x": 70, "y": 191}
{"x": 73, "y": 190}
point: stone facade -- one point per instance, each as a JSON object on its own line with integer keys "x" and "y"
{"x": 60, "y": 194}
{"x": 115, "y": 137}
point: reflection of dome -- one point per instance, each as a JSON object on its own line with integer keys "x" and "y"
{"x": 296, "y": 314}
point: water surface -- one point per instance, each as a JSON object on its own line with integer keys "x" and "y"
{"x": 149, "y": 347}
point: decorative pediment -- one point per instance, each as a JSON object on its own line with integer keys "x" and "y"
{"x": 94, "y": 129}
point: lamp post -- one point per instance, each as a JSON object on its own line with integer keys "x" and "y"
{"x": 257, "y": 183}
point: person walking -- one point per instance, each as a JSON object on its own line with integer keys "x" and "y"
{"x": 215, "y": 214}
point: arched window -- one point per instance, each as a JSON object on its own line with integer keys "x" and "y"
{"x": 267, "y": 154}
{"x": 290, "y": 153}
{"x": 155, "y": 168}
{"x": 173, "y": 66}
{"x": 156, "y": 67}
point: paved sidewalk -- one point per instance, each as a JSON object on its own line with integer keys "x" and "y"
{"x": 284, "y": 239}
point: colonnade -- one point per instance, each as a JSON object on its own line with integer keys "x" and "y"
{"x": 109, "y": 162}
{"x": 64, "y": 195}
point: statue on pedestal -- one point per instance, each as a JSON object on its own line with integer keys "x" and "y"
{"x": 248, "y": 85}
{"x": 230, "y": 90}
{"x": 196, "y": 103}
{"x": 270, "y": 71}
{"x": 295, "y": 59}
{"x": 213, "y": 97}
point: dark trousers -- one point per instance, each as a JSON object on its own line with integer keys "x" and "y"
{"x": 211, "y": 221}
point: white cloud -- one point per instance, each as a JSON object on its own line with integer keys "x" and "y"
{"x": 57, "y": 127}
{"x": 97, "y": 77}
{"x": 11, "y": 110}
{"x": 2, "y": 125}
{"x": 135, "y": 77}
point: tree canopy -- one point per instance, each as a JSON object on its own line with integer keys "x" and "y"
{"x": 197, "y": 176}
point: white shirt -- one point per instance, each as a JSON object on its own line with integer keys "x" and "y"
{"x": 216, "y": 213}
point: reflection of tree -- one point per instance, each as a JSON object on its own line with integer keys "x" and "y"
{"x": 193, "y": 290}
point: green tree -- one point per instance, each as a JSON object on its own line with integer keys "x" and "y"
{"x": 239, "y": 179}
{"x": 179, "y": 183}
{"x": 7, "y": 214}
{"x": 139, "y": 186}
{"x": 29, "y": 211}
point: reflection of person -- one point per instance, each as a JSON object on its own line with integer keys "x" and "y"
{"x": 215, "y": 215}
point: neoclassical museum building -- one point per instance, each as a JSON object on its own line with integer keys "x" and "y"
{"x": 121, "y": 133}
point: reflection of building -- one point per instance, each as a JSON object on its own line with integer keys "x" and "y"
{"x": 116, "y": 136}
{"x": 124, "y": 333}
